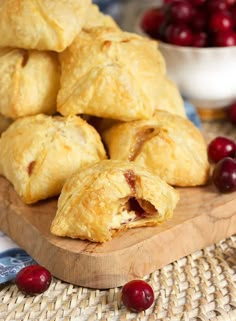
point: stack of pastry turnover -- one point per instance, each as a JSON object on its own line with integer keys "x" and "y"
{"x": 89, "y": 115}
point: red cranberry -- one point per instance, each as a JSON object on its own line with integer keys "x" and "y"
{"x": 221, "y": 147}
{"x": 215, "y": 5}
{"x": 151, "y": 21}
{"x": 33, "y": 279}
{"x": 230, "y": 2}
{"x": 181, "y": 11}
{"x": 137, "y": 295}
{"x": 224, "y": 175}
{"x": 179, "y": 35}
{"x": 199, "y": 39}
{"x": 225, "y": 39}
{"x": 232, "y": 113}
{"x": 220, "y": 21}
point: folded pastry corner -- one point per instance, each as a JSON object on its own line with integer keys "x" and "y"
{"x": 29, "y": 82}
{"x": 38, "y": 153}
{"x": 169, "y": 145}
{"x": 42, "y": 24}
{"x": 111, "y": 196}
{"x": 110, "y": 73}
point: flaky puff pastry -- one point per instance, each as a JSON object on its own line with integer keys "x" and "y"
{"x": 169, "y": 145}
{"x": 38, "y": 153}
{"x": 29, "y": 82}
{"x": 111, "y": 74}
{"x": 169, "y": 99}
{"x": 41, "y": 24}
{"x": 95, "y": 18}
{"x": 111, "y": 196}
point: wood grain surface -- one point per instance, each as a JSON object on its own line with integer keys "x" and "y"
{"x": 202, "y": 217}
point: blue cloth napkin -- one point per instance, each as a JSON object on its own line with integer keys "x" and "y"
{"x": 107, "y": 6}
{"x": 12, "y": 259}
{"x": 192, "y": 113}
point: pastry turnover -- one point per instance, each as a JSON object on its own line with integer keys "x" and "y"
{"x": 38, "y": 153}
{"x": 41, "y": 24}
{"x": 110, "y": 196}
{"x": 111, "y": 74}
{"x": 29, "y": 82}
{"x": 169, "y": 145}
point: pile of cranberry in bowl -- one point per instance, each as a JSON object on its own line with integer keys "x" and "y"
{"x": 198, "y": 41}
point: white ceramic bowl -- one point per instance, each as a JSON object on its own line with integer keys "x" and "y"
{"x": 205, "y": 76}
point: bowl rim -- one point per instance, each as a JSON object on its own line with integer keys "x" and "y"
{"x": 195, "y": 49}
{"x": 189, "y": 48}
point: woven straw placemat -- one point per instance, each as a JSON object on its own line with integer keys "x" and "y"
{"x": 199, "y": 287}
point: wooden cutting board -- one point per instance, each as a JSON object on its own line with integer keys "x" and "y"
{"x": 202, "y": 217}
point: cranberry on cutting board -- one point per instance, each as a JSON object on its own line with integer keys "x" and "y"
{"x": 224, "y": 175}
{"x": 221, "y": 147}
